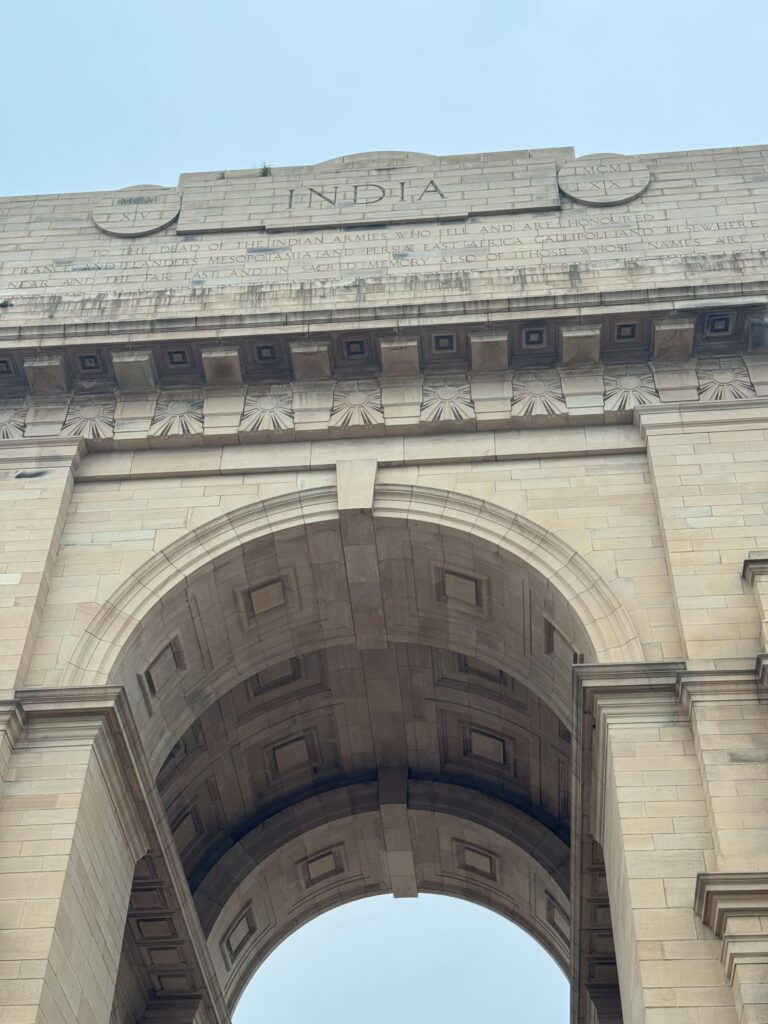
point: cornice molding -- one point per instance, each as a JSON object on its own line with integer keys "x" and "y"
{"x": 645, "y": 693}
{"x": 47, "y": 452}
{"x": 722, "y": 900}
{"x": 721, "y": 896}
{"x": 94, "y": 715}
{"x": 613, "y": 686}
{"x": 641, "y": 692}
{"x": 11, "y": 722}
{"x": 694, "y": 415}
{"x": 755, "y": 567}
{"x": 608, "y": 685}
{"x": 348, "y": 308}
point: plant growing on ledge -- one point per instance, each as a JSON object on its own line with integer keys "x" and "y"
{"x": 5, "y": 303}
{"x": 265, "y": 171}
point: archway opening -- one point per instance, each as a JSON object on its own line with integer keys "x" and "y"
{"x": 361, "y": 704}
{"x": 432, "y": 958}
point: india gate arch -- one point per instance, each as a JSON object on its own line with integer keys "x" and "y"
{"x": 392, "y": 713}
{"x": 415, "y": 545}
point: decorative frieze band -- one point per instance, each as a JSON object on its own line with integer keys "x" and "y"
{"x": 375, "y": 405}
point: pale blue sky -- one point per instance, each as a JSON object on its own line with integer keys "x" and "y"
{"x": 96, "y": 95}
{"x": 432, "y": 960}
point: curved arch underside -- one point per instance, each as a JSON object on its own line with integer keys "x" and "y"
{"x": 332, "y": 866}
{"x": 345, "y": 773}
{"x": 291, "y": 575}
{"x": 340, "y": 703}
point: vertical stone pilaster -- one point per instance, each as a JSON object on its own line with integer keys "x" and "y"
{"x": 729, "y": 717}
{"x": 70, "y": 838}
{"x": 708, "y": 469}
{"x": 755, "y": 573}
{"x": 648, "y": 812}
{"x": 36, "y": 480}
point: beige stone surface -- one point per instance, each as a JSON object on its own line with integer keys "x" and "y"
{"x": 369, "y": 530}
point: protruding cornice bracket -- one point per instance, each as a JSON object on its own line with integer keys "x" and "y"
{"x": 134, "y": 371}
{"x": 723, "y": 895}
{"x": 400, "y": 356}
{"x": 11, "y": 720}
{"x": 31, "y": 454}
{"x": 755, "y": 566}
{"x": 46, "y": 374}
{"x": 489, "y": 350}
{"x": 221, "y": 367}
{"x": 311, "y": 360}
{"x": 755, "y": 574}
{"x": 580, "y": 344}
{"x": 626, "y": 686}
{"x": 673, "y": 339}
{"x": 722, "y": 900}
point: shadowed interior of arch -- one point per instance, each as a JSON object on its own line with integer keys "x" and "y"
{"x": 361, "y": 704}
{"x": 378, "y": 960}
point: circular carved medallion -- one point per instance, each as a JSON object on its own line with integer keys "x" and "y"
{"x": 724, "y": 376}
{"x": 139, "y": 210}
{"x": 603, "y": 179}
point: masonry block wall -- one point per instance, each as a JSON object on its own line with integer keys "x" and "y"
{"x": 397, "y": 524}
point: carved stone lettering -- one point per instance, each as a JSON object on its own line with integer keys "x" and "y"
{"x": 287, "y": 199}
{"x": 137, "y": 211}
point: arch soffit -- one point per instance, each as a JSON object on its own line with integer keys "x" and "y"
{"x": 605, "y": 621}
{"x": 450, "y": 799}
{"x": 274, "y": 897}
{"x": 243, "y": 971}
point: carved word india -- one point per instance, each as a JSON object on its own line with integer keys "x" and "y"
{"x": 363, "y": 194}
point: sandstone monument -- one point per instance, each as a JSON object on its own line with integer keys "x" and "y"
{"x": 393, "y": 524}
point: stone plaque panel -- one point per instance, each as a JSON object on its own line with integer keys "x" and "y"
{"x": 136, "y": 211}
{"x": 604, "y": 179}
{"x": 331, "y": 198}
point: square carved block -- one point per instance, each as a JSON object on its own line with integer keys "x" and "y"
{"x": 267, "y": 596}
{"x": 476, "y": 860}
{"x": 453, "y": 586}
{"x": 292, "y": 756}
{"x": 324, "y": 865}
{"x": 188, "y": 828}
{"x": 284, "y": 672}
{"x": 238, "y": 934}
{"x": 485, "y": 745}
{"x": 477, "y": 746}
{"x": 164, "y": 667}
